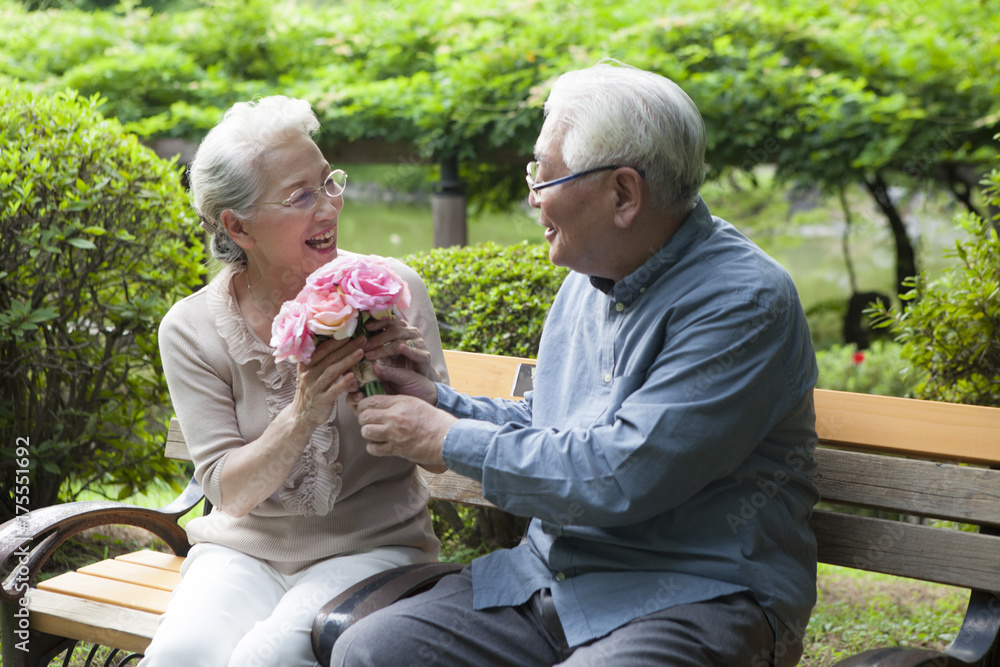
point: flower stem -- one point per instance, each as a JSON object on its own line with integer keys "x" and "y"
{"x": 373, "y": 389}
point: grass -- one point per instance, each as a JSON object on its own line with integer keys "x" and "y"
{"x": 856, "y": 611}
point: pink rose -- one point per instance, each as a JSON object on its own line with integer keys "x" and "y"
{"x": 329, "y": 313}
{"x": 371, "y": 286}
{"x": 331, "y": 304}
{"x": 328, "y": 277}
{"x": 290, "y": 334}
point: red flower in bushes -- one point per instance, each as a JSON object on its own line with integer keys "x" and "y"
{"x": 858, "y": 358}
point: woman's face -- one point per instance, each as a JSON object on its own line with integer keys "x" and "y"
{"x": 288, "y": 243}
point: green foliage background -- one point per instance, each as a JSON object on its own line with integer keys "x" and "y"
{"x": 951, "y": 329}
{"x": 877, "y": 370}
{"x": 828, "y": 91}
{"x": 96, "y": 243}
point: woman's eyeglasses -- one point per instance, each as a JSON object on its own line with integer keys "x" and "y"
{"x": 304, "y": 199}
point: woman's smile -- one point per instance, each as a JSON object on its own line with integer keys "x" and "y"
{"x": 324, "y": 241}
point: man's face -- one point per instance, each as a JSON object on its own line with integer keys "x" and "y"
{"x": 577, "y": 215}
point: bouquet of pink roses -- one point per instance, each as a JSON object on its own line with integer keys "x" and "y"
{"x": 338, "y": 298}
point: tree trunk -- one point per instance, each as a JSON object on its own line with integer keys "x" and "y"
{"x": 906, "y": 259}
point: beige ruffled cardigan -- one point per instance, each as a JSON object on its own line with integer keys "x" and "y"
{"x": 226, "y": 388}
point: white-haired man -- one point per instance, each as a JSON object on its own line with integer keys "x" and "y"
{"x": 666, "y": 451}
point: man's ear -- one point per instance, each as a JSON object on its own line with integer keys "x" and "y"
{"x": 628, "y": 185}
{"x": 237, "y": 230}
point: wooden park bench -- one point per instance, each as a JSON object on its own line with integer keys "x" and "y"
{"x": 931, "y": 462}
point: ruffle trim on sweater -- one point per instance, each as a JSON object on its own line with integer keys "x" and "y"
{"x": 315, "y": 482}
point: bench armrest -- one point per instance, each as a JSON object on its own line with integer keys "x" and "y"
{"x": 27, "y": 542}
{"x": 377, "y": 591}
{"x": 901, "y": 657}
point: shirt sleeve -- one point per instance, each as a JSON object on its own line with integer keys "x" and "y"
{"x": 709, "y": 397}
{"x": 201, "y": 398}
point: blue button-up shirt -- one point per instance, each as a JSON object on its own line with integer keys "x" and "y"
{"x": 666, "y": 450}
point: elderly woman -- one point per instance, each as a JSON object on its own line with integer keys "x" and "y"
{"x": 302, "y": 511}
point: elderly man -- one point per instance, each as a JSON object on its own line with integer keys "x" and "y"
{"x": 667, "y": 448}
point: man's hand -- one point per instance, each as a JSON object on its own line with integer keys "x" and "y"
{"x": 394, "y": 342}
{"x": 404, "y": 426}
{"x": 405, "y": 381}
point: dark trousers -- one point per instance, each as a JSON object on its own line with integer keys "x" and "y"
{"x": 440, "y": 627}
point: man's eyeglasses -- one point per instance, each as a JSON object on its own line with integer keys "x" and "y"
{"x": 304, "y": 199}
{"x": 532, "y": 177}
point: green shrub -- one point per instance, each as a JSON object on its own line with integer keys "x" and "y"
{"x": 96, "y": 241}
{"x": 489, "y": 298}
{"x": 877, "y": 370}
{"x": 951, "y": 330}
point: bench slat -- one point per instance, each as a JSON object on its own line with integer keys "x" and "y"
{"x": 157, "y": 559}
{"x": 130, "y": 573}
{"x": 483, "y": 374}
{"x": 90, "y": 621}
{"x": 176, "y": 447}
{"x": 454, "y": 488}
{"x": 939, "y": 431}
{"x": 943, "y": 556}
{"x": 922, "y": 488}
{"x": 111, "y": 592}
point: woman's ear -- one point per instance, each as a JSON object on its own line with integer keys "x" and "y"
{"x": 237, "y": 230}
{"x": 628, "y": 185}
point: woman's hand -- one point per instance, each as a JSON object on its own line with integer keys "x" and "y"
{"x": 394, "y": 342}
{"x": 326, "y": 376}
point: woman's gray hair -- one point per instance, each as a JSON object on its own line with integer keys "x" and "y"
{"x": 619, "y": 115}
{"x": 227, "y": 170}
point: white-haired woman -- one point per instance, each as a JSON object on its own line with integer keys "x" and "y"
{"x": 301, "y": 510}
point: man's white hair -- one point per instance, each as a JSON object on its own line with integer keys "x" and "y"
{"x": 615, "y": 114}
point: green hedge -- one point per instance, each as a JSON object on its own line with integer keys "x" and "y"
{"x": 490, "y": 298}
{"x": 97, "y": 240}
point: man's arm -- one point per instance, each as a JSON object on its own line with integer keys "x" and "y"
{"x": 672, "y": 435}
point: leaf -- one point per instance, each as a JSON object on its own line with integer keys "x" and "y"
{"x": 43, "y": 315}
{"x": 83, "y": 244}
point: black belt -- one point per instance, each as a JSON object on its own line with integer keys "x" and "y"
{"x": 545, "y": 609}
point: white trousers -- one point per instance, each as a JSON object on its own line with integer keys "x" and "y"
{"x": 232, "y": 610}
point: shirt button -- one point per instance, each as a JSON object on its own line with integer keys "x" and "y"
{"x": 607, "y": 377}
{"x": 619, "y": 306}
{"x": 560, "y": 576}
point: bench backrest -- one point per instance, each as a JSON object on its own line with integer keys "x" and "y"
{"x": 928, "y": 461}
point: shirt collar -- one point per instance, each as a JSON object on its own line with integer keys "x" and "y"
{"x": 694, "y": 228}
